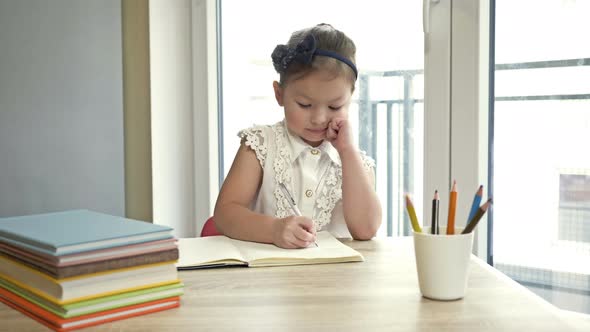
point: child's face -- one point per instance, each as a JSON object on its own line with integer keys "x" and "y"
{"x": 313, "y": 101}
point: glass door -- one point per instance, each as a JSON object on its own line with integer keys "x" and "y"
{"x": 387, "y": 111}
{"x": 541, "y": 121}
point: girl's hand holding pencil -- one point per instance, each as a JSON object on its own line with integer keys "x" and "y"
{"x": 294, "y": 232}
{"x": 294, "y": 238}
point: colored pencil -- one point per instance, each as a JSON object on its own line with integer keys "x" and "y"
{"x": 476, "y": 202}
{"x": 452, "y": 209}
{"x": 435, "y": 204}
{"x": 480, "y": 212}
{"x": 412, "y": 215}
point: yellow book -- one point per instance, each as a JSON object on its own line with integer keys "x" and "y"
{"x": 73, "y": 289}
{"x": 218, "y": 251}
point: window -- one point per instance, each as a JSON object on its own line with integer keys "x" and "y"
{"x": 388, "y": 102}
{"x": 541, "y": 166}
{"x": 574, "y": 208}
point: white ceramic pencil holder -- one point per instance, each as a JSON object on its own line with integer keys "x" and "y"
{"x": 442, "y": 263}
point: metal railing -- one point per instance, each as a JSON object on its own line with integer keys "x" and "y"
{"x": 368, "y": 134}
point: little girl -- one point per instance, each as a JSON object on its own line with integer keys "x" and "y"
{"x": 311, "y": 152}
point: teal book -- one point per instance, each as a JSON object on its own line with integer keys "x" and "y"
{"x": 74, "y": 231}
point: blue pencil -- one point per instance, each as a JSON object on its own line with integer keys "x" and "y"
{"x": 476, "y": 202}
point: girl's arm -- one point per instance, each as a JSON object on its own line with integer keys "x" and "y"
{"x": 234, "y": 218}
{"x": 232, "y": 214}
{"x": 362, "y": 210}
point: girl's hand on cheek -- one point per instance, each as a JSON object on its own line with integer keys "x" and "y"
{"x": 340, "y": 134}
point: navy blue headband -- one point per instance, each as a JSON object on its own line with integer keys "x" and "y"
{"x": 303, "y": 53}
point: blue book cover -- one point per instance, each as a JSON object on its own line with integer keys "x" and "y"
{"x": 75, "y": 231}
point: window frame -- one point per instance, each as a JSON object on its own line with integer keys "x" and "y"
{"x": 457, "y": 108}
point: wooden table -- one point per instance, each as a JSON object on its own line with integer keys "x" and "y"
{"x": 380, "y": 294}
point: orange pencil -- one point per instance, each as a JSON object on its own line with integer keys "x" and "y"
{"x": 452, "y": 209}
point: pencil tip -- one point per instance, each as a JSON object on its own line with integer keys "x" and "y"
{"x": 487, "y": 204}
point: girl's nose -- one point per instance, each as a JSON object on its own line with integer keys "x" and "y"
{"x": 319, "y": 117}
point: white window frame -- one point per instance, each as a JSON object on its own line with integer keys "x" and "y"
{"x": 456, "y": 120}
{"x": 183, "y": 84}
{"x": 470, "y": 104}
{"x": 205, "y": 33}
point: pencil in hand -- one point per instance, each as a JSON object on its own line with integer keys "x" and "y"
{"x": 435, "y": 204}
{"x": 475, "y": 219}
{"x": 412, "y": 215}
{"x": 452, "y": 209}
{"x": 291, "y": 202}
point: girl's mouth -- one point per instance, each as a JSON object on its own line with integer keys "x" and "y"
{"x": 317, "y": 131}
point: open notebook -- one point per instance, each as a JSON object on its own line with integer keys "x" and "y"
{"x": 217, "y": 251}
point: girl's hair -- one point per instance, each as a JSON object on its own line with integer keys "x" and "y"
{"x": 287, "y": 62}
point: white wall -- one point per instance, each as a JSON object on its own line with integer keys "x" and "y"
{"x": 61, "y": 109}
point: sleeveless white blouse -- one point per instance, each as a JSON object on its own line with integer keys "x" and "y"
{"x": 313, "y": 176}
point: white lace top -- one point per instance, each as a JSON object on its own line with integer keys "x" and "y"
{"x": 312, "y": 175}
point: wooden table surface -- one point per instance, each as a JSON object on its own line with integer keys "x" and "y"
{"x": 380, "y": 294}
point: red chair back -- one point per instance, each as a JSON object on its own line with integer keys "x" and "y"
{"x": 209, "y": 228}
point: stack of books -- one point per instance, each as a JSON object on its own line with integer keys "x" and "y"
{"x": 79, "y": 268}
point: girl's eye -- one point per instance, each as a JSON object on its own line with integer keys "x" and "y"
{"x": 335, "y": 108}
{"x": 303, "y": 105}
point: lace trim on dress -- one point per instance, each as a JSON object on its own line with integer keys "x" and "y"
{"x": 331, "y": 191}
{"x": 330, "y": 194}
{"x": 368, "y": 162}
{"x": 254, "y": 138}
{"x": 283, "y": 172}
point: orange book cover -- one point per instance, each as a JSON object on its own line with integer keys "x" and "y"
{"x": 59, "y": 324}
